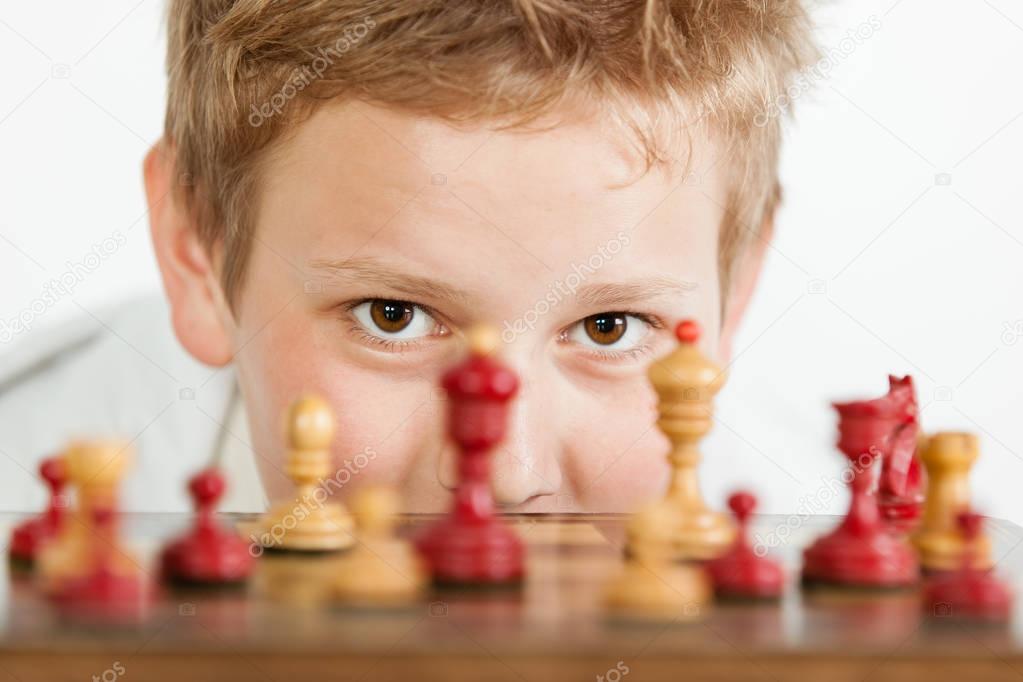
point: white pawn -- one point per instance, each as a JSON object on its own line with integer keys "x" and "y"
{"x": 653, "y": 587}
{"x": 307, "y": 523}
{"x": 382, "y": 570}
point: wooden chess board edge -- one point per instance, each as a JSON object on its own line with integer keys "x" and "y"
{"x": 227, "y": 666}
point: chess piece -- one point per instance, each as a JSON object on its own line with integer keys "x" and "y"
{"x": 308, "y": 524}
{"x": 948, "y": 458}
{"x": 381, "y": 570}
{"x": 861, "y": 551}
{"x": 208, "y": 554}
{"x": 106, "y": 593}
{"x": 471, "y": 545}
{"x": 900, "y": 487}
{"x": 686, "y": 383}
{"x": 301, "y": 580}
{"x": 973, "y": 592}
{"x": 741, "y": 573}
{"x": 94, "y": 469}
{"x": 30, "y": 536}
{"x": 653, "y": 587}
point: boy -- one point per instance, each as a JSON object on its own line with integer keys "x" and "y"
{"x": 344, "y": 188}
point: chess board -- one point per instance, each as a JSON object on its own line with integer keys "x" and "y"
{"x": 282, "y": 627}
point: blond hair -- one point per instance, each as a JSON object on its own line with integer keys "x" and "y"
{"x": 242, "y": 72}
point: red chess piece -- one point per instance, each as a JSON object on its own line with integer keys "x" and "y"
{"x": 741, "y": 572}
{"x": 901, "y": 486}
{"x": 471, "y": 546}
{"x": 862, "y": 551}
{"x": 687, "y": 331}
{"x": 34, "y": 533}
{"x": 208, "y": 554}
{"x": 107, "y": 594}
{"x": 970, "y": 593}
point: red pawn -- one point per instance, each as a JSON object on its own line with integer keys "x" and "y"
{"x": 471, "y": 546}
{"x": 107, "y": 594}
{"x": 208, "y": 554}
{"x": 970, "y": 593}
{"x": 862, "y": 552}
{"x": 741, "y": 573}
{"x": 34, "y": 533}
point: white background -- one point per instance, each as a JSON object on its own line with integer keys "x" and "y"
{"x": 903, "y": 183}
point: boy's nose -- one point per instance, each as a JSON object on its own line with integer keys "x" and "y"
{"x": 527, "y": 464}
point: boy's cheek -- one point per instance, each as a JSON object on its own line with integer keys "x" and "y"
{"x": 619, "y": 467}
{"x": 381, "y": 427}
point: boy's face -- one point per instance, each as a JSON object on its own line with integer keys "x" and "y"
{"x": 382, "y": 237}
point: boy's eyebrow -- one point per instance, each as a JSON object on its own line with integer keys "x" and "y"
{"x": 373, "y": 271}
{"x": 623, "y": 293}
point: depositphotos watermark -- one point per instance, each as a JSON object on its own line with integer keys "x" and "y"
{"x": 304, "y": 76}
{"x": 567, "y": 287}
{"x": 111, "y": 674}
{"x": 1012, "y": 332}
{"x": 61, "y": 286}
{"x": 819, "y": 71}
{"x": 615, "y": 674}
{"x": 810, "y": 505}
{"x": 310, "y": 502}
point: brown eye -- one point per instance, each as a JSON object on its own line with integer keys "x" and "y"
{"x": 606, "y": 328}
{"x": 391, "y": 316}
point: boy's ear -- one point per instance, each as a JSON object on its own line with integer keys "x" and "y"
{"x": 199, "y": 313}
{"x": 745, "y": 276}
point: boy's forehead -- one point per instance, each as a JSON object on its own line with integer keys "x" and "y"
{"x": 573, "y": 150}
{"x": 359, "y": 176}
